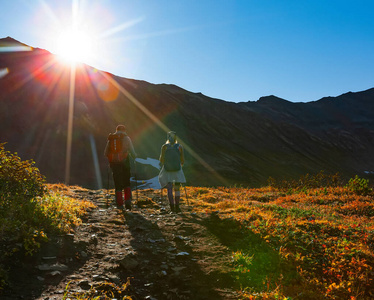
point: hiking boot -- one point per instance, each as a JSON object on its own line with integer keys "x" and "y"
{"x": 172, "y": 208}
{"x": 128, "y": 206}
{"x": 177, "y": 209}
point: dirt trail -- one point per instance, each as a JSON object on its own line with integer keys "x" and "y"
{"x": 164, "y": 255}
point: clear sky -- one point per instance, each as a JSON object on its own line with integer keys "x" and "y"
{"x": 232, "y": 50}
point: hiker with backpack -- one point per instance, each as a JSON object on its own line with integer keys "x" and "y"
{"x": 117, "y": 150}
{"x": 171, "y": 174}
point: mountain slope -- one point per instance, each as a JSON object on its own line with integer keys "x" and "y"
{"x": 226, "y": 143}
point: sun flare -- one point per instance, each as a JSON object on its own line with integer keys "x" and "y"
{"x": 75, "y": 45}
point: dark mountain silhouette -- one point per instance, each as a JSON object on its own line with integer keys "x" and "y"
{"x": 226, "y": 143}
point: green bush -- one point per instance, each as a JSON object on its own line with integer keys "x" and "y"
{"x": 359, "y": 186}
{"x": 20, "y": 183}
{"x": 19, "y": 179}
{"x": 31, "y": 210}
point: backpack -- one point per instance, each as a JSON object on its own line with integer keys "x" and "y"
{"x": 117, "y": 151}
{"x": 172, "y": 159}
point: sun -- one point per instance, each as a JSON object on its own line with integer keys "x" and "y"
{"x": 75, "y": 45}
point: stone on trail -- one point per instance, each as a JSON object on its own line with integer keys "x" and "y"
{"x": 129, "y": 263}
{"x": 54, "y": 267}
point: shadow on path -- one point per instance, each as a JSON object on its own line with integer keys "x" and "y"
{"x": 30, "y": 277}
{"x": 162, "y": 262}
{"x": 266, "y": 266}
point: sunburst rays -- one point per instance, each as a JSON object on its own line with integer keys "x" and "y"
{"x": 52, "y": 73}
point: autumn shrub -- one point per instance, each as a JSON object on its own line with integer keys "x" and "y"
{"x": 29, "y": 212}
{"x": 308, "y": 181}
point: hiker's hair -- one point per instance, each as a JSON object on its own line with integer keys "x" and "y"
{"x": 171, "y": 137}
{"x": 121, "y": 128}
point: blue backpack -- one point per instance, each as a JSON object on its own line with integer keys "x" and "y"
{"x": 172, "y": 160}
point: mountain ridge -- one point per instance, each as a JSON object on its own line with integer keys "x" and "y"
{"x": 226, "y": 142}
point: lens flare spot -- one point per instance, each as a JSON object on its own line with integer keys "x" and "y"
{"x": 4, "y": 72}
{"x": 105, "y": 88}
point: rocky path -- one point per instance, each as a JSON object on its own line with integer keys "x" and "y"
{"x": 158, "y": 254}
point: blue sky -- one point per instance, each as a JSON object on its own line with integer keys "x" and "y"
{"x": 232, "y": 50}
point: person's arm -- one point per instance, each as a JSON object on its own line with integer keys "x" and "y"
{"x": 182, "y": 154}
{"x": 162, "y": 155}
{"x": 131, "y": 148}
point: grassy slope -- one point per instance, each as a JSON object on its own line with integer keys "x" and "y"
{"x": 311, "y": 244}
{"x": 26, "y": 223}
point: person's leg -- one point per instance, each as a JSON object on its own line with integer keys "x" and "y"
{"x": 170, "y": 195}
{"x": 177, "y": 194}
{"x": 119, "y": 199}
{"x": 128, "y": 197}
{"x": 116, "y": 170}
{"x": 127, "y": 185}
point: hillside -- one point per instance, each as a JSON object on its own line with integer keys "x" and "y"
{"x": 226, "y": 143}
{"x": 313, "y": 242}
{"x": 156, "y": 254}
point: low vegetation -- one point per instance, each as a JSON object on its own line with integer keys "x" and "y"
{"x": 311, "y": 238}
{"x": 104, "y": 291}
{"x": 297, "y": 240}
{"x": 30, "y": 210}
